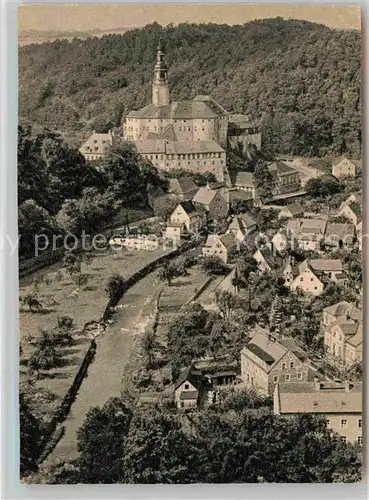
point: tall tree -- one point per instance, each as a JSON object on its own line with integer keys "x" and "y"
{"x": 101, "y": 442}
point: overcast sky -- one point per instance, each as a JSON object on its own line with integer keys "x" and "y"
{"x": 109, "y": 16}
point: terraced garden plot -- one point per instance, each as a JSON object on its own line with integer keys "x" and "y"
{"x": 176, "y": 295}
{"x": 61, "y": 296}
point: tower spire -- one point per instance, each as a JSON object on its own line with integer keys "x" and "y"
{"x": 160, "y": 87}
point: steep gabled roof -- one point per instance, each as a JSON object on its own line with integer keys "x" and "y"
{"x": 338, "y": 309}
{"x": 269, "y": 349}
{"x": 189, "y": 207}
{"x": 326, "y": 265}
{"x": 281, "y": 168}
{"x": 340, "y": 230}
{"x": 182, "y": 185}
{"x": 294, "y": 208}
{"x": 204, "y": 195}
{"x": 187, "y": 375}
{"x": 337, "y": 161}
{"x": 356, "y": 208}
{"x": 228, "y": 241}
{"x": 97, "y": 144}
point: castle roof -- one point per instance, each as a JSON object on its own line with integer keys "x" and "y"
{"x": 181, "y": 110}
{"x": 162, "y": 146}
{"x": 183, "y": 147}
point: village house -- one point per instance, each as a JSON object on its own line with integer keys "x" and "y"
{"x": 311, "y": 275}
{"x": 188, "y": 215}
{"x": 339, "y": 404}
{"x": 245, "y": 182}
{"x": 220, "y": 246}
{"x": 283, "y": 240}
{"x": 267, "y": 360}
{"x": 97, "y": 145}
{"x": 338, "y": 235}
{"x": 235, "y": 197}
{"x": 212, "y": 201}
{"x": 187, "y": 389}
{"x": 266, "y": 259}
{"x": 351, "y": 210}
{"x": 241, "y": 226}
{"x": 291, "y": 210}
{"x": 343, "y": 167}
{"x": 182, "y": 187}
{"x": 307, "y": 233}
{"x": 343, "y": 332}
{"x": 286, "y": 179}
{"x": 174, "y": 231}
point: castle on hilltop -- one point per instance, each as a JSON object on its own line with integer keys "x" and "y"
{"x": 188, "y": 135}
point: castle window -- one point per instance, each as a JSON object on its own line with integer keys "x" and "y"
{"x": 213, "y": 162}
{"x": 221, "y": 162}
{"x": 204, "y": 162}
{"x": 156, "y": 157}
{"x": 203, "y": 128}
{"x": 189, "y": 128}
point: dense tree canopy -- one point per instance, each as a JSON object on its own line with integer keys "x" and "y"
{"x": 101, "y": 441}
{"x": 304, "y": 78}
{"x": 59, "y": 192}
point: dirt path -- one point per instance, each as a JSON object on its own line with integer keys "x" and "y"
{"x": 113, "y": 354}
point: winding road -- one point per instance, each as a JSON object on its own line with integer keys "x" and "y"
{"x": 114, "y": 348}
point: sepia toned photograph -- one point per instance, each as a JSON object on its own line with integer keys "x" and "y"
{"x": 190, "y": 192}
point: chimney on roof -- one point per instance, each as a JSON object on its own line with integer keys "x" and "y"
{"x": 317, "y": 384}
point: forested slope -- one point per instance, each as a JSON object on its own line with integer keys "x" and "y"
{"x": 303, "y": 77}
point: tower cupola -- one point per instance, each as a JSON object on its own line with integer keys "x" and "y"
{"x": 160, "y": 87}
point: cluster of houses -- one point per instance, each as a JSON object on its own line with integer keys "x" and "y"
{"x": 316, "y": 234}
{"x": 278, "y": 368}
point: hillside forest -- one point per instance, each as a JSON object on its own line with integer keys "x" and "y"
{"x": 303, "y": 79}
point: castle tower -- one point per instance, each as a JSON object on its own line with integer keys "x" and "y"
{"x": 160, "y": 87}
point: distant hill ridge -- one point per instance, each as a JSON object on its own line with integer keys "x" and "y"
{"x": 27, "y": 37}
{"x": 303, "y": 77}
